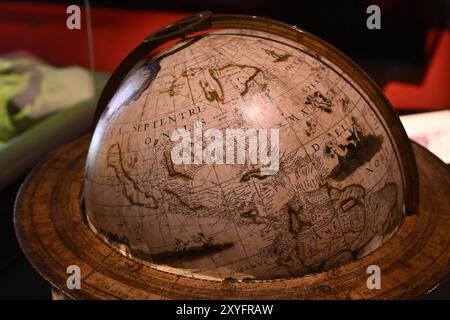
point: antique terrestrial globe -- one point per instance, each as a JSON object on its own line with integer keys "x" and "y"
{"x": 168, "y": 203}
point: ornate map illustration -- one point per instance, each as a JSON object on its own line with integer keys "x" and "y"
{"x": 338, "y": 194}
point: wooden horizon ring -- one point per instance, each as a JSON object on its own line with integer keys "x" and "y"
{"x": 53, "y": 233}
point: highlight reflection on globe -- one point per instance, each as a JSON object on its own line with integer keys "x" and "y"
{"x": 337, "y": 196}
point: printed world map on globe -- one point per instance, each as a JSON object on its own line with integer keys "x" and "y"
{"x": 336, "y": 197}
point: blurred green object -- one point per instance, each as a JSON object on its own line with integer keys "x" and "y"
{"x": 30, "y": 91}
{"x": 10, "y": 85}
{"x": 41, "y": 107}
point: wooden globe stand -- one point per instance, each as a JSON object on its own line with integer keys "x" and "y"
{"x": 54, "y": 234}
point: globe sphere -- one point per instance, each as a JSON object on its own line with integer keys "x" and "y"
{"x": 315, "y": 182}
